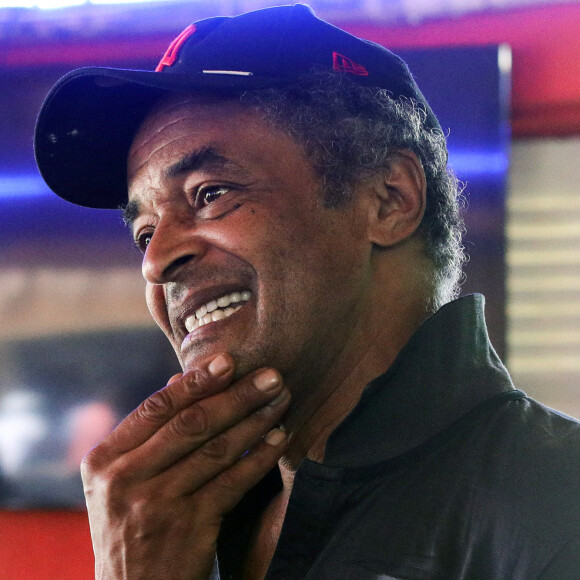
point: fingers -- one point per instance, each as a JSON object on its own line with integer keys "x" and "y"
{"x": 222, "y": 427}
{"x": 220, "y": 452}
{"x": 227, "y": 489}
{"x": 157, "y": 488}
{"x": 174, "y": 378}
{"x": 211, "y": 377}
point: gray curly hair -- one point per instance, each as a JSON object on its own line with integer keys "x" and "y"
{"x": 350, "y": 132}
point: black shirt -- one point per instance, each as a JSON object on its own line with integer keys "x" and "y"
{"x": 442, "y": 471}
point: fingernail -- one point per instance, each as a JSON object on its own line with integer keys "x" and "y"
{"x": 281, "y": 398}
{"x": 219, "y": 366}
{"x": 267, "y": 380}
{"x": 275, "y": 437}
{"x": 174, "y": 378}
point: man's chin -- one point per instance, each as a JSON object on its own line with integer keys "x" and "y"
{"x": 203, "y": 350}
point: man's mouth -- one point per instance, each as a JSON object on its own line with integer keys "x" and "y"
{"x": 217, "y": 309}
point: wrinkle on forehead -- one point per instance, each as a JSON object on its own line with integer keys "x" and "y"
{"x": 174, "y": 101}
{"x": 147, "y": 137}
{"x": 181, "y": 126}
{"x": 162, "y": 117}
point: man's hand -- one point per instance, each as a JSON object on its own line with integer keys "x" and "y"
{"x": 158, "y": 486}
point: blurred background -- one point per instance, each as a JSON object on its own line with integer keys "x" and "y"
{"x": 77, "y": 347}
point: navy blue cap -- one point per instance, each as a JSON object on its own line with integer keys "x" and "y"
{"x": 89, "y": 118}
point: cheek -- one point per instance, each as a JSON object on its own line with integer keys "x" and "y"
{"x": 155, "y": 299}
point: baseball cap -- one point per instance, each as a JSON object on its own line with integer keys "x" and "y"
{"x": 88, "y": 120}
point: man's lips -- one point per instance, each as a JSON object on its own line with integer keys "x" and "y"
{"x": 217, "y": 309}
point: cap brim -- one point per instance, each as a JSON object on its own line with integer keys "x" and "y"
{"x": 88, "y": 120}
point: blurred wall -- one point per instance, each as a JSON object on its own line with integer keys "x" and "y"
{"x": 543, "y": 271}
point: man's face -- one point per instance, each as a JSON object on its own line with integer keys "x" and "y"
{"x": 241, "y": 255}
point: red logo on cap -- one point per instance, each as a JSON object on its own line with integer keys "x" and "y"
{"x": 172, "y": 52}
{"x": 342, "y": 63}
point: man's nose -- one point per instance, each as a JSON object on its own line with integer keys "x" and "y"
{"x": 172, "y": 246}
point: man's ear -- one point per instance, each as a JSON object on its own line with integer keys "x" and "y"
{"x": 397, "y": 199}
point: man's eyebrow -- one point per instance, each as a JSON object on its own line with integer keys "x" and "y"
{"x": 130, "y": 211}
{"x": 204, "y": 158}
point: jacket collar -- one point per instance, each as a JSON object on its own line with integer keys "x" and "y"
{"x": 446, "y": 369}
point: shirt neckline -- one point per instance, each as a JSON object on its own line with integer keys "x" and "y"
{"x": 447, "y": 368}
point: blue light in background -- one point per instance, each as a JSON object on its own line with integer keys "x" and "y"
{"x": 22, "y": 185}
{"x": 465, "y": 164}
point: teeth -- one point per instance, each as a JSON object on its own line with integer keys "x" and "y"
{"x": 217, "y": 315}
{"x": 223, "y": 301}
{"x": 217, "y": 309}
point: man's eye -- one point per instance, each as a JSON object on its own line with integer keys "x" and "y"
{"x": 143, "y": 240}
{"x": 210, "y": 194}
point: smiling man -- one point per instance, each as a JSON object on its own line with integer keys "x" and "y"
{"x": 339, "y": 414}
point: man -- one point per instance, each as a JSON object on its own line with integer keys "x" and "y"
{"x": 338, "y": 415}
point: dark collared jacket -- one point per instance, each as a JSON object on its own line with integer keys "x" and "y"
{"x": 442, "y": 471}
